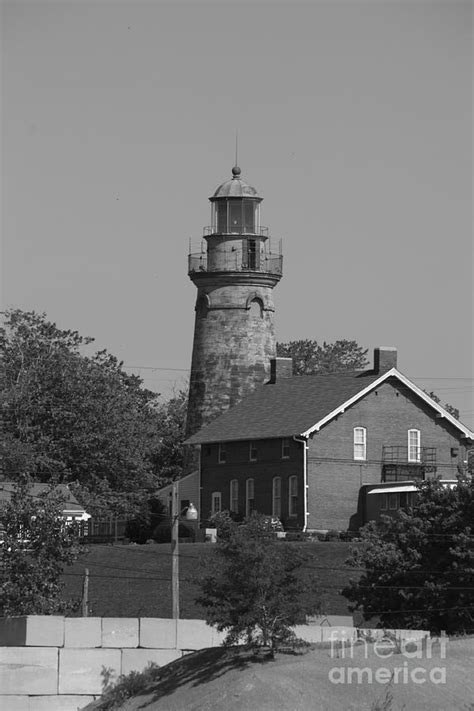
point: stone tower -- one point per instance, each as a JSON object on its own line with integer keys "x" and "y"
{"x": 234, "y": 335}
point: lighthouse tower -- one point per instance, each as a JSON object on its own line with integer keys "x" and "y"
{"x": 235, "y": 273}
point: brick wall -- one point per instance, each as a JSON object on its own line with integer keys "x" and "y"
{"x": 388, "y": 413}
{"x": 269, "y": 464}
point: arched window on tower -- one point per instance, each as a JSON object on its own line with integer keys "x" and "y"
{"x": 256, "y": 308}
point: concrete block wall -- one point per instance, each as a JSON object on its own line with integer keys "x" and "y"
{"x": 58, "y": 664}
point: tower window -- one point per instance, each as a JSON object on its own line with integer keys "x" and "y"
{"x": 360, "y": 443}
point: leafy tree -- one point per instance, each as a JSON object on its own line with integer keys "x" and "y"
{"x": 252, "y": 588}
{"x": 310, "y": 358}
{"x": 69, "y": 417}
{"x": 419, "y": 565}
{"x": 37, "y": 546}
{"x": 450, "y": 408}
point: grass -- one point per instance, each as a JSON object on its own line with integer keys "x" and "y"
{"x": 135, "y": 581}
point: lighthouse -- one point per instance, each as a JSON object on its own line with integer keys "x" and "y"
{"x": 235, "y": 274}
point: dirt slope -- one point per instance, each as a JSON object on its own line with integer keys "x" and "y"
{"x": 216, "y": 679}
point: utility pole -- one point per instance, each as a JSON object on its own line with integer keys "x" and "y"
{"x": 175, "y": 551}
{"x": 85, "y": 594}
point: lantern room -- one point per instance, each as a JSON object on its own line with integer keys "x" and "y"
{"x": 235, "y": 207}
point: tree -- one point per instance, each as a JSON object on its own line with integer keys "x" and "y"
{"x": 450, "y": 408}
{"x": 69, "y": 417}
{"x": 253, "y": 589}
{"x": 309, "y": 358}
{"x": 419, "y": 565}
{"x": 37, "y": 546}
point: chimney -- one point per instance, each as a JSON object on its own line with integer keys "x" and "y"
{"x": 385, "y": 358}
{"x": 280, "y": 368}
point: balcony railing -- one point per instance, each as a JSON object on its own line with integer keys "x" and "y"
{"x": 262, "y": 263}
{"x": 403, "y": 463}
{"x": 240, "y": 230}
{"x": 395, "y": 454}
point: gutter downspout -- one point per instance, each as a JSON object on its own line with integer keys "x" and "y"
{"x": 304, "y": 442}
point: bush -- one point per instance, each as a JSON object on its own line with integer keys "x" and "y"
{"x": 332, "y": 535}
{"x": 140, "y": 529}
{"x": 162, "y": 533}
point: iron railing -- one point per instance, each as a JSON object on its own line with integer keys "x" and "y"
{"x": 265, "y": 264}
{"x": 242, "y": 230}
{"x": 398, "y": 466}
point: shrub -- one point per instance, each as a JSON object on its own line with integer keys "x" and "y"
{"x": 162, "y": 533}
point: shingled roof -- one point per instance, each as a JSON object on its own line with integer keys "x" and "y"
{"x": 300, "y": 405}
{"x": 288, "y": 407}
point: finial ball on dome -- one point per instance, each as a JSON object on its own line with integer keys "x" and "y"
{"x": 236, "y": 171}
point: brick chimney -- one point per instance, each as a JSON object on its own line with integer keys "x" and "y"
{"x": 280, "y": 368}
{"x": 385, "y": 358}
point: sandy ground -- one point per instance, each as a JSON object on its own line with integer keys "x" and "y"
{"x": 216, "y": 679}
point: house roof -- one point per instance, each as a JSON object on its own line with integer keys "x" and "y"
{"x": 70, "y": 505}
{"x": 302, "y": 405}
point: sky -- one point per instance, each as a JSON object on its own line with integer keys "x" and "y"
{"x": 354, "y": 119}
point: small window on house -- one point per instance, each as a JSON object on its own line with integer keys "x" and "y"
{"x": 253, "y": 452}
{"x": 222, "y": 453}
{"x": 285, "y": 448}
{"x": 414, "y": 449}
{"x": 360, "y": 443}
{"x": 293, "y": 496}
{"x": 392, "y": 502}
{"x": 249, "y": 497}
{"x": 276, "y": 497}
{"x": 216, "y": 502}
{"x": 234, "y": 496}
{"x": 383, "y": 502}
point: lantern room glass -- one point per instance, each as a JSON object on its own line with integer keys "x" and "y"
{"x": 237, "y": 216}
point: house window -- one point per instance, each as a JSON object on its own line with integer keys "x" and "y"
{"x": 276, "y": 497}
{"x": 253, "y": 452}
{"x": 360, "y": 443}
{"x": 414, "y": 449}
{"x": 285, "y": 448}
{"x": 222, "y": 454}
{"x": 234, "y": 496}
{"x": 216, "y": 502}
{"x": 392, "y": 502}
{"x": 249, "y": 497}
{"x": 383, "y": 502}
{"x": 293, "y": 496}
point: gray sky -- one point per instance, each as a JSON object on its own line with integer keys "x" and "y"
{"x": 355, "y": 123}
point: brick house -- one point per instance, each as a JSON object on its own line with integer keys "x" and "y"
{"x": 328, "y": 451}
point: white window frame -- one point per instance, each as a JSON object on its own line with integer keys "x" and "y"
{"x": 360, "y": 444}
{"x": 253, "y": 451}
{"x": 216, "y": 496}
{"x": 234, "y": 496}
{"x": 414, "y": 450}
{"x": 249, "y": 496}
{"x": 285, "y": 445}
{"x": 293, "y": 496}
{"x": 276, "y": 496}
{"x": 222, "y": 453}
